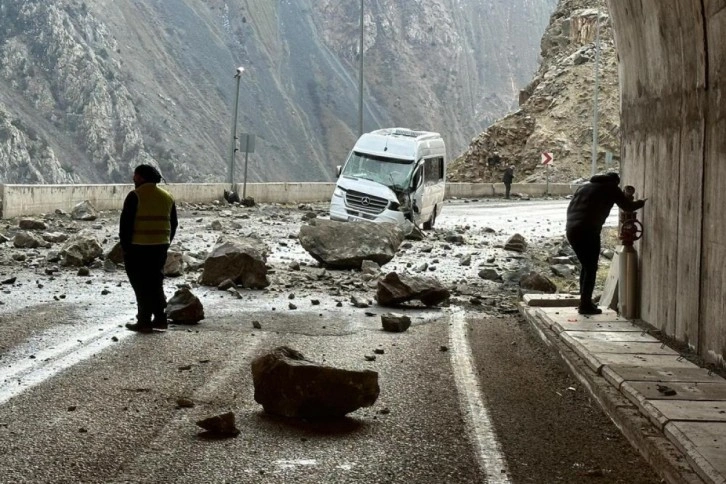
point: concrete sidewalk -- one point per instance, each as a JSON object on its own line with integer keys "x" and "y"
{"x": 673, "y": 411}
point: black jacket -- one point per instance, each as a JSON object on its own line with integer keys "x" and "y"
{"x": 508, "y": 175}
{"x": 592, "y": 202}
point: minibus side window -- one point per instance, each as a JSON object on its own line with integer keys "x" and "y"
{"x": 433, "y": 170}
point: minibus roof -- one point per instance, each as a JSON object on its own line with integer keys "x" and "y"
{"x": 400, "y": 143}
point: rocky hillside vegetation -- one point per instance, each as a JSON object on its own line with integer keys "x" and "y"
{"x": 556, "y": 108}
{"x": 89, "y": 89}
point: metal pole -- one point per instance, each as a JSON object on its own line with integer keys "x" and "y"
{"x": 360, "y": 75}
{"x": 247, "y": 152}
{"x": 547, "y": 168}
{"x": 597, "y": 92}
{"x": 233, "y": 143}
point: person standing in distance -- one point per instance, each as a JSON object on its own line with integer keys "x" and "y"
{"x": 586, "y": 214}
{"x": 146, "y": 229}
{"x": 507, "y": 179}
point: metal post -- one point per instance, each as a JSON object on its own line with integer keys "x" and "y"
{"x": 547, "y": 170}
{"x": 233, "y": 143}
{"x": 247, "y": 152}
{"x": 360, "y": 75}
{"x": 597, "y": 92}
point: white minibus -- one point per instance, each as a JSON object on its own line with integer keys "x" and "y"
{"x": 392, "y": 175}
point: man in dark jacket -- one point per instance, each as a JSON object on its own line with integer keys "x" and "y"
{"x": 507, "y": 179}
{"x": 147, "y": 227}
{"x": 586, "y": 214}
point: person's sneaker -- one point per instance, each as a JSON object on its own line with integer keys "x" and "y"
{"x": 140, "y": 328}
{"x": 160, "y": 323}
{"x": 589, "y": 310}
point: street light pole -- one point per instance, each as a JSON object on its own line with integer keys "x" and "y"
{"x": 595, "y": 114}
{"x": 233, "y": 143}
{"x": 360, "y": 75}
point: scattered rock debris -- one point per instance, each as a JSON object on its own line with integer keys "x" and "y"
{"x": 219, "y": 426}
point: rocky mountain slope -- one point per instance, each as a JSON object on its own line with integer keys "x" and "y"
{"x": 89, "y": 89}
{"x": 556, "y": 108}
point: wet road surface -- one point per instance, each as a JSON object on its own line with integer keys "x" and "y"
{"x": 466, "y": 396}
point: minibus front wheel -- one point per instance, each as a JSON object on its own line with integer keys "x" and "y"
{"x": 429, "y": 224}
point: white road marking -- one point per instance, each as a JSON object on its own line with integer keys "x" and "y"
{"x": 293, "y": 464}
{"x": 19, "y": 374}
{"x": 489, "y": 450}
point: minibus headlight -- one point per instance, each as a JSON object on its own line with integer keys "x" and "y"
{"x": 395, "y": 206}
{"x": 338, "y": 192}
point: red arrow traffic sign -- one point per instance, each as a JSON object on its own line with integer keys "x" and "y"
{"x": 547, "y": 158}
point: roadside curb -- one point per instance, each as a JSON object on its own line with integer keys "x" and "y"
{"x": 667, "y": 459}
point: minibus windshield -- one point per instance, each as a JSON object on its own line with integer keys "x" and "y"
{"x": 392, "y": 172}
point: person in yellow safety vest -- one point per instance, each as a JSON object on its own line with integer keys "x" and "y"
{"x": 146, "y": 229}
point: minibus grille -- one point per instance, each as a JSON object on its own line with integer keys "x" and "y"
{"x": 365, "y": 203}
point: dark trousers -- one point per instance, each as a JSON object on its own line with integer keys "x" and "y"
{"x": 145, "y": 268}
{"x": 507, "y": 189}
{"x": 586, "y": 244}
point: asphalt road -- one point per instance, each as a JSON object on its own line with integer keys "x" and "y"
{"x": 468, "y": 394}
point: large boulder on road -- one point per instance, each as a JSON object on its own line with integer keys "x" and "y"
{"x": 535, "y": 282}
{"x": 80, "y": 250}
{"x": 516, "y": 243}
{"x": 184, "y": 307}
{"x": 287, "y": 384}
{"x": 54, "y": 237}
{"x": 31, "y": 224}
{"x": 395, "y": 323}
{"x": 345, "y": 245}
{"x": 219, "y": 426}
{"x": 28, "y": 240}
{"x": 241, "y": 259}
{"x": 116, "y": 254}
{"x": 174, "y": 265}
{"x": 84, "y": 211}
{"x": 396, "y": 289}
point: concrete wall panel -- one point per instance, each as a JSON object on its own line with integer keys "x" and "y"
{"x": 632, "y": 172}
{"x": 690, "y": 213}
{"x": 648, "y": 300}
{"x": 196, "y": 193}
{"x": 288, "y": 192}
{"x": 35, "y": 199}
{"x": 713, "y": 284}
{"x": 482, "y": 190}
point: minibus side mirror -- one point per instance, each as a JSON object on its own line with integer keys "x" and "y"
{"x": 338, "y": 169}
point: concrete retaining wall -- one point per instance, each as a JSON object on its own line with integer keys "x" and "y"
{"x": 288, "y": 192}
{"x": 19, "y": 200}
{"x": 485, "y": 190}
{"x": 673, "y": 116}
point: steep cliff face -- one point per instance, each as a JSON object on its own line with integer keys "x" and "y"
{"x": 90, "y": 89}
{"x": 62, "y": 102}
{"x": 452, "y": 66}
{"x": 557, "y": 107}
